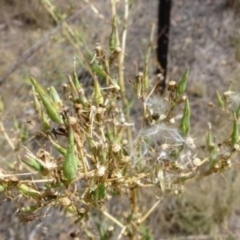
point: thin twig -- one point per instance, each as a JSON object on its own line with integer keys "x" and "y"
{"x": 149, "y": 212}
{"x": 122, "y": 232}
{"x": 114, "y": 14}
{"x": 124, "y": 34}
{"x": 94, "y": 9}
{"x": 3, "y": 130}
{"x": 17, "y": 174}
{"x": 113, "y": 219}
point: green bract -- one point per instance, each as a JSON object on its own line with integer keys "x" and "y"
{"x": 181, "y": 87}
{"x": 185, "y": 121}
{"x": 70, "y": 159}
{"x": 50, "y": 106}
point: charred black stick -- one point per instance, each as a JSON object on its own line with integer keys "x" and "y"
{"x": 164, "y": 16}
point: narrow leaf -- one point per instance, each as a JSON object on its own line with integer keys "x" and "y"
{"x": 185, "y": 121}
{"x": 113, "y": 35}
{"x": 181, "y": 87}
{"x": 48, "y": 103}
{"x": 55, "y": 97}
{"x": 28, "y": 191}
{"x": 70, "y": 160}
{"x": 235, "y": 132}
{"x": 32, "y": 163}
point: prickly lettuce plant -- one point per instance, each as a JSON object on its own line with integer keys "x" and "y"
{"x": 98, "y": 154}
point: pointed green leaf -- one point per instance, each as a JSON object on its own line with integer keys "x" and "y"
{"x": 55, "y": 97}
{"x": 235, "y": 132}
{"x": 28, "y": 191}
{"x": 37, "y": 104}
{"x": 97, "y": 94}
{"x": 209, "y": 140}
{"x": 98, "y": 70}
{"x": 185, "y": 121}
{"x": 59, "y": 148}
{"x": 113, "y": 35}
{"x": 32, "y": 163}
{"x": 45, "y": 121}
{"x": 181, "y": 87}
{"x": 48, "y": 103}
{"x": 70, "y": 159}
{"x": 220, "y": 100}
{"x": 75, "y": 77}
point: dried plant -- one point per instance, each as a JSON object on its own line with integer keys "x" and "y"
{"x": 98, "y": 155}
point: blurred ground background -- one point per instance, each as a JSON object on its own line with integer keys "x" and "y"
{"x": 205, "y": 36}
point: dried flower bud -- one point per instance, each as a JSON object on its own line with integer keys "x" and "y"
{"x": 190, "y": 142}
{"x": 172, "y": 120}
{"x": 118, "y": 50}
{"x": 172, "y": 86}
{"x": 228, "y": 93}
{"x": 65, "y": 88}
{"x": 99, "y": 51}
{"x": 124, "y": 142}
{"x": 72, "y": 120}
{"x": 101, "y": 170}
{"x": 197, "y": 162}
{"x": 236, "y": 147}
{"x": 116, "y": 148}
